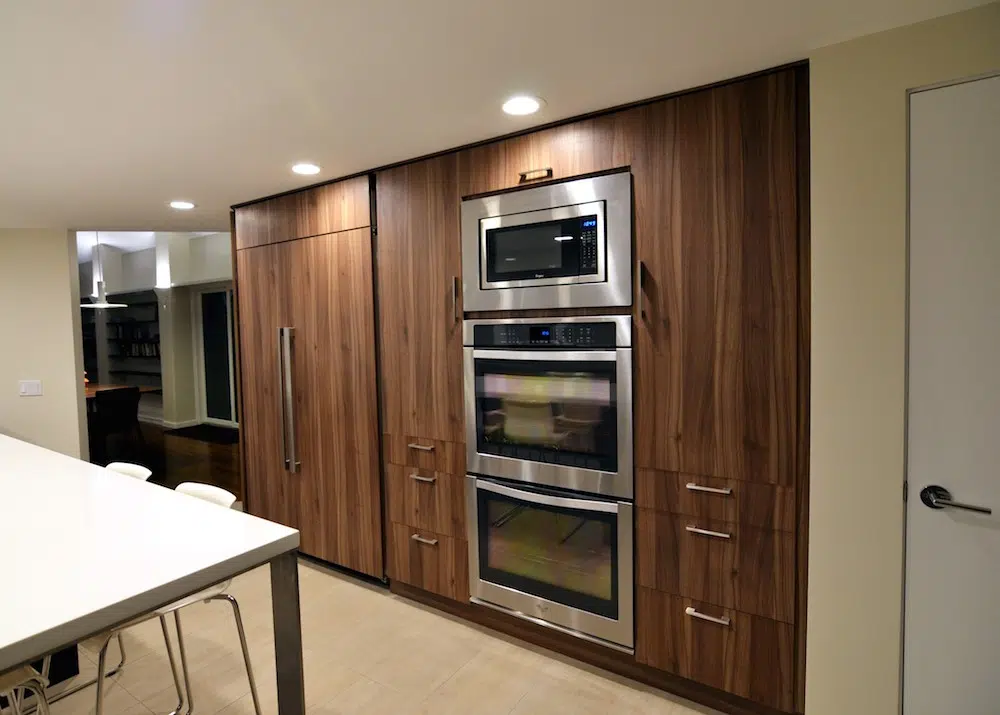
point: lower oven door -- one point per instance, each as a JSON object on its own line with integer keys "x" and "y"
{"x": 554, "y": 559}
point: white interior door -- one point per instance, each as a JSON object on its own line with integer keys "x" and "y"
{"x": 952, "y": 636}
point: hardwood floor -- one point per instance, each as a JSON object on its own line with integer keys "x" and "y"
{"x": 175, "y": 459}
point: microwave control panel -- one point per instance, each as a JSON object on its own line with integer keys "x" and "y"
{"x": 546, "y": 335}
{"x": 588, "y": 245}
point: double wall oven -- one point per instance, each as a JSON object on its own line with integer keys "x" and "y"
{"x": 549, "y": 452}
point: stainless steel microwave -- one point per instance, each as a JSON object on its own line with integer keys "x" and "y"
{"x": 564, "y": 245}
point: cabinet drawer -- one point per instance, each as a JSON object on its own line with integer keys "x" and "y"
{"x": 425, "y": 499}
{"x": 433, "y": 454}
{"x": 745, "y": 655}
{"x": 719, "y": 562}
{"x": 433, "y": 562}
{"x": 752, "y": 503}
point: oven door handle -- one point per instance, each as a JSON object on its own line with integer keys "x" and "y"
{"x": 548, "y": 499}
{"x": 547, "y": 355}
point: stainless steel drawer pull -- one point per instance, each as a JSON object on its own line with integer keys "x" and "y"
{"x": 707, "y": 532}
{"x": 423, "y": 540}
{"x": 708, "y": 490}
{"x": 724, "y": 621}
{"x": 421, "y": 447}
{"x": 535, "y": 174}
{"x": 427, "y": 480}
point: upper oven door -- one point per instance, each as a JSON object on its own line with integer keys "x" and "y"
{"x": 560, "y": 418}
{"x": 564, "y": 245}
{"x": 550, "y": 247}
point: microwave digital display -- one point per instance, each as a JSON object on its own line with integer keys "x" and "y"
{"x": 546, "y": 249}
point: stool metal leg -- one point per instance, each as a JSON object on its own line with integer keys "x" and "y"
{"x": 102, "y": 659}
{"x": 173, "y": 666}
{"x": 184, "y": 663}
{"x": 243, "y": 644}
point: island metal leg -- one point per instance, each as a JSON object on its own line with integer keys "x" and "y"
{"x": 288, "y": 634}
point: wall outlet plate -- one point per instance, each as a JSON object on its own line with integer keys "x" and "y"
{"x": 30, "y": 388}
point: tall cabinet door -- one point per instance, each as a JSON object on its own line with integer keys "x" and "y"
{"x": 336, "y": 420}
{"x": 272, "y": 492}
{"x": 717, "y": 243}
{"x": 420, "y": 301}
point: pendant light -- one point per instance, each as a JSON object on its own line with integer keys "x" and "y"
{"x": 102, "y": 298}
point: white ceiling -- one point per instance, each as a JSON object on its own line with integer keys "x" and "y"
{"x": 124, "y": 241}
{"x": 108, "y": 110}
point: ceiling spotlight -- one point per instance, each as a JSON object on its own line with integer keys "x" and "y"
{"x": 181, "y": 205}
{"x": 522, "y": 104}
{"x": 306, "y": 168}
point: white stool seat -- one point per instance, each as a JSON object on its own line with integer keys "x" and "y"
{"x": 132, "y": 470}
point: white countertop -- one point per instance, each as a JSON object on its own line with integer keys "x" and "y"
{"x": 83, "y": 549}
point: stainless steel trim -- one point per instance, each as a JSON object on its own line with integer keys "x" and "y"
{"x": 708, "y": 532}
{"x": 281, "y": 397}
{"x": 535, "y": 174}
{"x": 547, "y": 356}
{"x": 548, "y": 499}
{"x": 708, "y": 490}
{"x": 421, "y": 447}
{"x": 550, "y": 214}
{"x": 622, "y": 323}
{"x": 613, "y": 284}
{"x": 617, "y": 632}
{"x": 613, "y": 484}
{"x": 426, "y": 480}
{"x": 423, "y": 540}
{"x": 724, "y": 621}
{"x": 289, "y": 394}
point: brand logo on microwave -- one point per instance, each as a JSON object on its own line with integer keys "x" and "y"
{"x": 539, "y": 275}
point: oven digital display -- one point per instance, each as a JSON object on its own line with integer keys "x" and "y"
{"x": 540, "y": 334}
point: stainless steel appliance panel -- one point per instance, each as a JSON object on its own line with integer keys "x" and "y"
{"x": 607, "y": 197}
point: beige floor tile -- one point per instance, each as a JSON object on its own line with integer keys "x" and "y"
{"x": 117, "y": 701}
{"x": 370, "y": 698}
{"x": 492, "y": 683}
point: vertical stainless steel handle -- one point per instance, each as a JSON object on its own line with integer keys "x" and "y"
{"x": 418, "y": 478}
{"x": 424, "y": 540}
{"x": 724, "y": 621}
{"x": 281, "y": 396}
{"x": 292, "y": 457}
{"x": 454, "y": 300}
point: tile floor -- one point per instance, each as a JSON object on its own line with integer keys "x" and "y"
{"x": 366, "y": 651}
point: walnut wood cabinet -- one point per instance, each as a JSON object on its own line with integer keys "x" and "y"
{"x": 322, "y": 287}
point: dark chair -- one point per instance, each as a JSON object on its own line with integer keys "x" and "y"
{"x": 116, "y": 412}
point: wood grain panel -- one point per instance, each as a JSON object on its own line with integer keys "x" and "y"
{"x": 432, "y": 454}
{"x": 420, "y": 299}
{"x": 751, "y": 503}
{"x": 335, "y": 398}
{"x": 752, "y": 571}
{"x": 323, "y": 209}
{"x": 751, "y": 657}
{"x": 441, "y": 567}
{"x": 585, "y": 147}
{"x": 424, "y": 499}
{"x": 271, "y": 492}
{"x": 716, "y": 238}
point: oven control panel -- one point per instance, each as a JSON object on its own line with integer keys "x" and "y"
{"x": 546, "y": 335}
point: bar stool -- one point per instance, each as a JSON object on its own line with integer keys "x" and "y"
{"x": 225, "y": 499}
{"x": 28, "y": 679}
{"x": 132, "y": 470}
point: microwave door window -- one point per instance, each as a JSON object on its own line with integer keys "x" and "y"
{"x": 549, "y": 249}
{"x": 557, "y": 413}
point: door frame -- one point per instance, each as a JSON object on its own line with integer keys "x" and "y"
{"x": 906, "y": 371}
{"x": 198, "y": 338}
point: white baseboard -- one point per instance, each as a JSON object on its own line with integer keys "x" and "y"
{"x": 178, "y": 425}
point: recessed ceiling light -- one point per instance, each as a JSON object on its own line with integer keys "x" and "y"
{"x": 305, "y": 168}
{"x": 522, "y": 104}
{"x": 181, "y": 205}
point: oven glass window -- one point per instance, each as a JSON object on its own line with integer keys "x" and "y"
{"x": 548, "y": 411}
{"x": 564, "y": 555}
{"x": 547, "y": 249}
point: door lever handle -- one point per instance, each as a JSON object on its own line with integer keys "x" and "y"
{"x": 938, "y": 498}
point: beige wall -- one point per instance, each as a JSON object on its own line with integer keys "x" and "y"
{"x": 40, "y": 321}
{"x": 858, "y": 128}
{"x": 177, "y": 357}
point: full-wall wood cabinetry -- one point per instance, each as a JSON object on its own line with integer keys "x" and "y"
{"x": 322, "y": 288}
{"x": 720, "y": 348}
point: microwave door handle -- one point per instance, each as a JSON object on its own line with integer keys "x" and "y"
{"x": 548, "y": 499}
{"x": 547, "y": 356}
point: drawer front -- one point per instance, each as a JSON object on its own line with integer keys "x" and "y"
{"x": 753, "y": 503}
{"x": 726, "y": 564}
{"x": 425, "y": 499}
{"x": 745, "y": 655}
{"x": 433, "y": 454}
{"x": 433, "y": 562}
